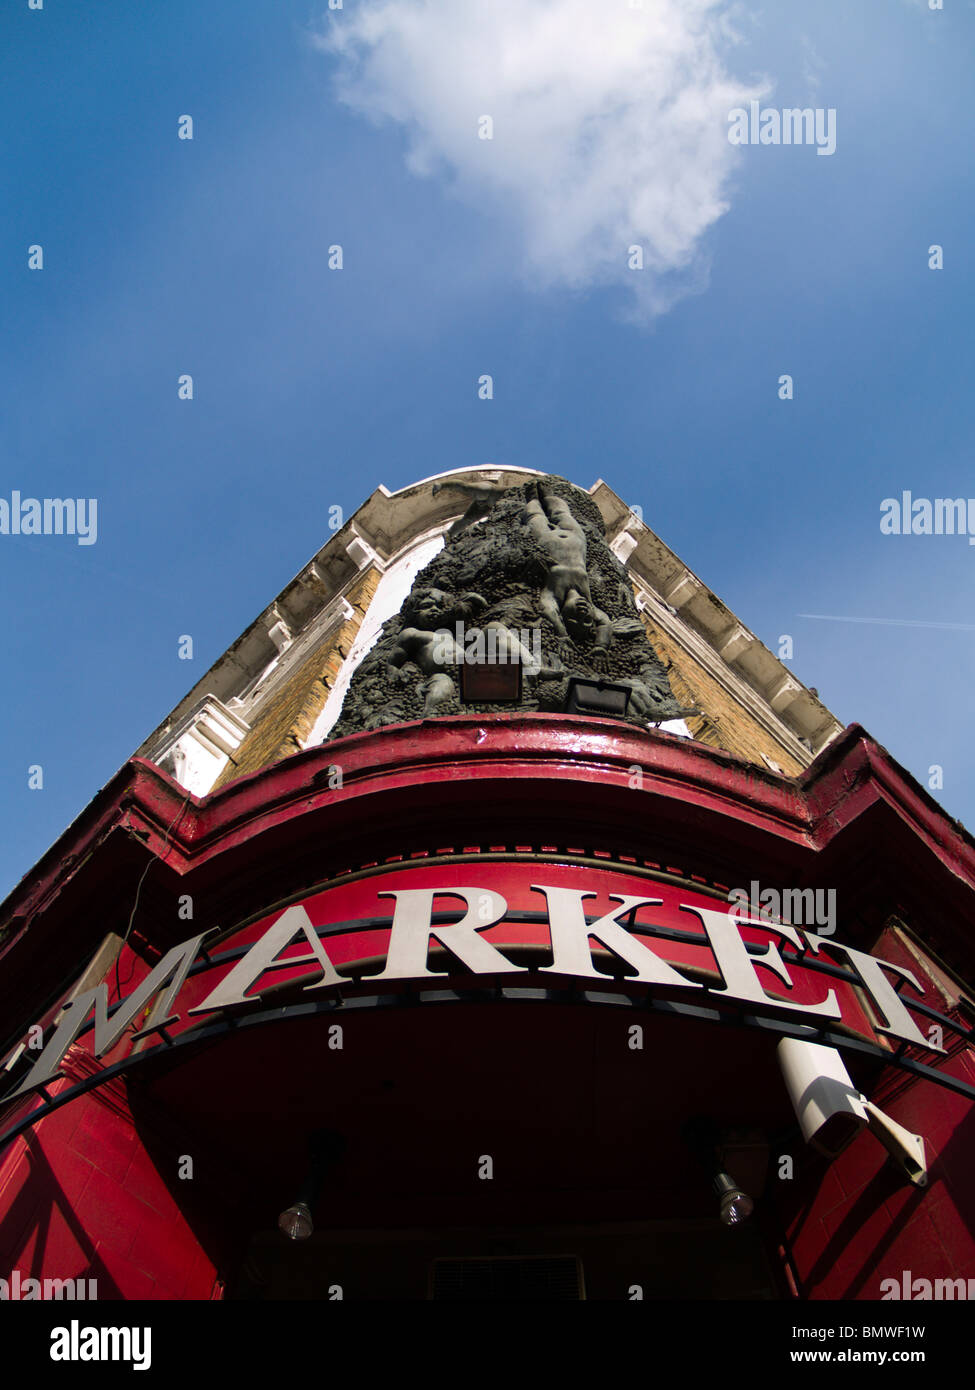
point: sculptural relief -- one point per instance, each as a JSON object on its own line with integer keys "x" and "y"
{"x": 528, "y": 577}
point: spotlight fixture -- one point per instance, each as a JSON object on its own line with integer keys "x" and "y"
{"x": 296, "y": 1222}
{"x": 702, "y": 1138}
{"x": 734, "y": 1206}
{"x": 586, "y": 695}
{"x": 324, "y": 1147}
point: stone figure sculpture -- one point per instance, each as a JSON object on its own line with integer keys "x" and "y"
{"x": 435, "y": 651}
{"x": 566, "y": 600}
{"x": 423, "y": 646}
{"x": 482, "y": 498}
{"x": 532, "y": 581}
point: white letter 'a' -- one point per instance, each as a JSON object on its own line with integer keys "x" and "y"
{"x": 262, "y": 956}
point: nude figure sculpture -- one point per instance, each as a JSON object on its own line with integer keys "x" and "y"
{"x": 566, "y": 599}
{"x": 435, "y": 651}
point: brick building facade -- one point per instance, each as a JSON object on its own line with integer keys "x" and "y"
{"x": 463, "y": 1001}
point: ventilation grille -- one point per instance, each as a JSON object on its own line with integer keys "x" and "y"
{"x": 508, "y": 1278}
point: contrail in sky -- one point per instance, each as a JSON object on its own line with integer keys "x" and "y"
{"x": 889, "y": 622}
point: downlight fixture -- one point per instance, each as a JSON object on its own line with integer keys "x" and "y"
{"x": 296, "y": 1221}
{"x": 324, "y": 1148}
{"x": 702, "y": 1137}
{"x": 734, "y": 1206}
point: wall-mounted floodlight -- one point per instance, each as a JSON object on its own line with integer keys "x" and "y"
{"x": 588, "y": 695}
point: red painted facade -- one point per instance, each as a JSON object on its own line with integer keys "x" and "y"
{"x": 585, "y": 1130}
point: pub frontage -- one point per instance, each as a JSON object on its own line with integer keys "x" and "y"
{"x": 403, "y": 964}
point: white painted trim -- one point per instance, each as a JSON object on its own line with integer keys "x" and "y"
{"x": 401, "y": 570}
{"x": 730, "y": 682}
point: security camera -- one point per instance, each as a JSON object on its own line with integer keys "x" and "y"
{"x": 828, "y": 1107}
{"x": 831, "y": 1111}
{"x": 906, "y": 1149}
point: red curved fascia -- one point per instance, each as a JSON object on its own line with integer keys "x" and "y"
{"x": 853, "y": 801}
{"x": 577, "y": 754}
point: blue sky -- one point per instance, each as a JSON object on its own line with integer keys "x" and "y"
{"x": 311, "y": 386}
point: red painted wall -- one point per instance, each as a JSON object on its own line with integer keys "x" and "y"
{"x": 81, "y": 1199}
{"x": 85, "y": 1196}
{"x": 855, "y": 1222}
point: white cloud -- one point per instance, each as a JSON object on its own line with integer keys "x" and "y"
{"x": 812, "y": 64}
{"x": 610, "y": 123}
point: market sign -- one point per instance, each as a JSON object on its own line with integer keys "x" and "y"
{"x": 405, "y": 926}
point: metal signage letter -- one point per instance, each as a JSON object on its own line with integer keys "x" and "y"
{"x": 409, "y": 939}
{"x": 262, "y": 956}
{"x": 738, "y": 967}
{"x": 571, "y": 933}
{"x": 176, "y": 964}
{"x": 875, "y": 982}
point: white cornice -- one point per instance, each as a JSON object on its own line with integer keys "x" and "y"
{"x": 693, "y": 616}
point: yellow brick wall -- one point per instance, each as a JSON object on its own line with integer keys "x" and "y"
{"x": 725, "y": 724}
{"x": 288, "y": 718}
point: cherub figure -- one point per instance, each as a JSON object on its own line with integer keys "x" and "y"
{"x": 566, "y": 600}
{"x": 483, "y": 498}
{"x": 428, "y": 644}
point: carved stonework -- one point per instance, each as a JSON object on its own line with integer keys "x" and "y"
{"x": 526, "y": 576}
